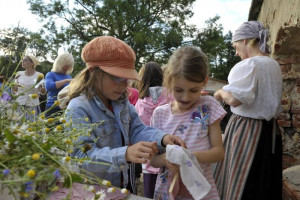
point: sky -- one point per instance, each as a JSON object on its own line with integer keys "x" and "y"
{"x": 232, "y": 12}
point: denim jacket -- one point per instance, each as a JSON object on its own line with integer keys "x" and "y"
{"x": 106, "y": 138}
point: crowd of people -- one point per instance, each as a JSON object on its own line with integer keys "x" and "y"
{"x": 135, "y": 125}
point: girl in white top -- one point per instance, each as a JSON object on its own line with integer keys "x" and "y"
{"x": 25, "y": 90}
{"x": 252, "y": 167}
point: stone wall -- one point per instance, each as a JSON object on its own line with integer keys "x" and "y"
{"x": 282, "y": 17}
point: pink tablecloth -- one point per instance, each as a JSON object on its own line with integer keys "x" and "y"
{"x": 79, "y": 192}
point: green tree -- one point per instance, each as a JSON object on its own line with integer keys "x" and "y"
{"x": 217, "y": 47}
{"x": 152, "y": 28}
{"x": 15, "y": 43}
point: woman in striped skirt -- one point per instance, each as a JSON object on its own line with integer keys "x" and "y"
{"x": 252, "y": 167}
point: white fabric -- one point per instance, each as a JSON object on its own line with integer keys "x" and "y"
{"x": 190, "y": 170}
{"x": 257, "y": 83}
{"x": 27, "y": 82}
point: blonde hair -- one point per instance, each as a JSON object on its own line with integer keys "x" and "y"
{"x": 188, "y": 62}
{"x": 61, "y": 61}
{"x": 253, "y": 41}
{"x": 84, "y": 83}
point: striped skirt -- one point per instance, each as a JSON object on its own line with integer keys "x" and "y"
{"x": 252, "y": 167}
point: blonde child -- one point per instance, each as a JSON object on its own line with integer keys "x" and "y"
{"x": 58, "y": 78}
{"x": 151, "y": 95}
{"x": 192, "y": 117}
{"x": 98, "y": 96}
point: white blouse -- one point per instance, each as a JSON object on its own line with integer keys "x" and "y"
{"x": 257, "y": 83}
{"x": 27, "y": 82}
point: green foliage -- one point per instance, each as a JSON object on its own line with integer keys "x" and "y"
{"x": 34, "y": 151}
{"x": 152, "y": 28}
{"x": 14, "y": 43}
{"x": 217, "y": 47}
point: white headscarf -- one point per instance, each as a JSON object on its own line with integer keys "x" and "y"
{"x": 252, "y": 29}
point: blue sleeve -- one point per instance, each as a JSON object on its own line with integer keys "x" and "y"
{"x": 50, "y": 82}
{"x": 114, "y": 158}
{"x": 138, "y": 131}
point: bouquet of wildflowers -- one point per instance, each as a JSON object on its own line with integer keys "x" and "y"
{"x": 34, "y": 154}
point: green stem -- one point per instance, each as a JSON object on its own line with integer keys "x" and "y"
{"x": 13, "y": 181}
{"x": 12, "y": 192}
{"x": 5, "y": 167}
{"x": 46, "y": 153}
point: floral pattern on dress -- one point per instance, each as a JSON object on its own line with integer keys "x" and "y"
{"x": 200, "y": 116}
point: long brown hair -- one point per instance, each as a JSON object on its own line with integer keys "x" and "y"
{"x": 83, "y": 83}
{"x": 152, "y": 75}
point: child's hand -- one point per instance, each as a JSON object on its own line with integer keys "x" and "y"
{"x": 141, "y": 152}
{"x": 173, "y": 139}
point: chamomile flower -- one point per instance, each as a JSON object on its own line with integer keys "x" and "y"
{"x": 24, "y": 194}
{"x": 70, "y": 151}
{"x": 66, "y": 159}
{"x": 46, "y": 130}
{"x": 32, "y": 112}
{"x": 13, "y": 115}
{"x": 42, "y": 117}
{"x": 106, "y": 183}
{"x": 68, "y": 141}
{"x": 91, "y": 188}
{"x": 58, "y": 128}
{"x": 33, "y": 96}
{"x": 111, "y": 190}
{"x": 86, "y": 119}
{"x": 62, "y": 120}
{"x": 124, "y": 191}
{"x": 35, "y": 156}
{"x": 50, "y": 120}
{"x": 31, "y": 173}
{"x": 100, "y": 195}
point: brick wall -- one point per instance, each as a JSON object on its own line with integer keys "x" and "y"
{"x": 289, "y": 119}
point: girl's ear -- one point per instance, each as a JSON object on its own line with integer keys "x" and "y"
{"x": 205, "y": 80}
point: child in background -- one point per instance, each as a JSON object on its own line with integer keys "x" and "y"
{"x": 133, "y": 95}
{"x": 192, "y": 117}
{"x": 57, "y": 79}
{"x": 25, "y": 87}
{"x": 151, "y": 95}
{"x": 98, "y": 96}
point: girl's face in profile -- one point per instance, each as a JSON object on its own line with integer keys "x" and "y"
{"x": 26, "y": 62}
{"x": 186, "y": 93}
{"x": 110, "y": 87}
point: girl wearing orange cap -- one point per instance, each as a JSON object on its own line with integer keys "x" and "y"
{"x": 98, "y": 96}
